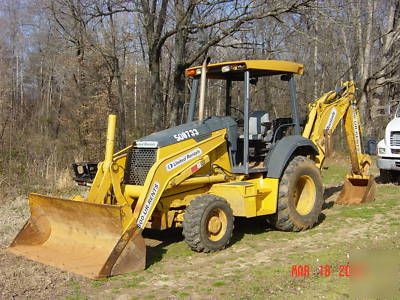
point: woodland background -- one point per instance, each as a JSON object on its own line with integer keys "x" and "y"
{"x": 66, "y": 64}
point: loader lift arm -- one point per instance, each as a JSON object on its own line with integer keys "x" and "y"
{"x": 324, "y": 117}
{"x": 156, "y": 183}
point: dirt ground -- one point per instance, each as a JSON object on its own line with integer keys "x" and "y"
{"x": 259, "y": 264}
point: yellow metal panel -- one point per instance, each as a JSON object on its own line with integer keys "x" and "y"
{"x": 112, "y": 120}
{"x": 267, "y": 195}
{"x": 218, "y": 156}
{"x": 109, "y": 176}
{"x": 181, "y": 198}
{"x": 261, "y": 65}
{"x": 250, "y": 198}
{"x": 132, "y": 191}
{"x": 100, "y": 186}
{"x": 242, "y": 205}
{"x": 191, "y": 170}
{"x": 203, "y": 180}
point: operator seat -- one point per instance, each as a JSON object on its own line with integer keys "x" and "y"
{"x": 257, "y": 121}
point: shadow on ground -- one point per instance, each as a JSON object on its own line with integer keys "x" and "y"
{"x": 253, "y": 226}
{"x": 159, "y": 240}
{"x": 328, "y": 192}
{"x": 165, "y": 237}
{"x": 393, "y": 178}
{"x": 156, "y": 249}
{"x": 242, "y": 227}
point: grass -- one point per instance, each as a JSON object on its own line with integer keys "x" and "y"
{"x": 220, "y": 261}
{"x": 277, "y": 282}
{"x": 367, "y": 211}
{"x": 178, "y": 250}
{"x": 98, "y": 283}
{"x": 219, "y": 283}
{"x": 76, "y": 297}
{"x": 334, "y": 172}
{"x": 76, "y": 292}
{"x": 133, "y": 283}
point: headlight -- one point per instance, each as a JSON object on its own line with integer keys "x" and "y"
{"x": 381, "y": 150}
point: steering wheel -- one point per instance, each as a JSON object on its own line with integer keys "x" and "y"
{"x": 237, "y": 109}
{"x": 239, "y": 121}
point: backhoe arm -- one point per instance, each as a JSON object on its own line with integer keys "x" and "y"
{"x": 360, "y": 162}
{"x": 323, "y": 119}
{"x": 325, "y": 114}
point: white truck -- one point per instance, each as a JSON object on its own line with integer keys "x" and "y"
{"x": 388, "y": 160}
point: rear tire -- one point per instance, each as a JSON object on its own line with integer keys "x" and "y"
{"x": 208, "y": 224}
{"x": 300, "y": 196}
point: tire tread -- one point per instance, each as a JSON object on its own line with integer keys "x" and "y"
{"x": 284, "y": 219}
{"x": 192, "y": 222}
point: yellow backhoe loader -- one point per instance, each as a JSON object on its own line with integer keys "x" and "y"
{"x": 199, "y": 175}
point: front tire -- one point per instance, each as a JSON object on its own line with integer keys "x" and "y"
{"x": 385, "y": 176}
{"x": 208, "y": 224}
{"x": 300, "y": 196}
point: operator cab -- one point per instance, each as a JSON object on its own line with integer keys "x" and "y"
{"x": 255, "y": 132}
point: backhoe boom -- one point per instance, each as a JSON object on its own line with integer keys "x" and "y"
{"x": 325, "y": 114}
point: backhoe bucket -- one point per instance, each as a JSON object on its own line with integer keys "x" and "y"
{"x": 77, "y": 236}
{"x": 357, "y": 190}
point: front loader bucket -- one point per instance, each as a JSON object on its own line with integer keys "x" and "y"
{"x": 76, "y": 236}
{"x": 357, "y": 190}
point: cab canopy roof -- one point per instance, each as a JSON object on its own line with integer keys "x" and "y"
{"x": 234, "y": 70}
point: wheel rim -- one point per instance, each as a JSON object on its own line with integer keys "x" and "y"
{"x": 305, "y": 195}
{"x": 216, "y": 224}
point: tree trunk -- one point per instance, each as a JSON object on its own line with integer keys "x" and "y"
{"x": 365, "y": 54}
{"x": 180, "y": 51}
{"x": 380, "y": 95}
{"x": 347, "y": 50}
{"x": 155, "y": 93}
{"x": 121, "y": 108}
{"x": 315, "y": 61}
{"x": 178, "y": 99}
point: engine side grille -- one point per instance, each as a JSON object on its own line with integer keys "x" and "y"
{"x": 138, "y": 164}
{"x": 395, "y": 138}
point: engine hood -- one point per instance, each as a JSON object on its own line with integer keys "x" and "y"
{"x": 393, "y": 125}
{"x": 195, "y": 129}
